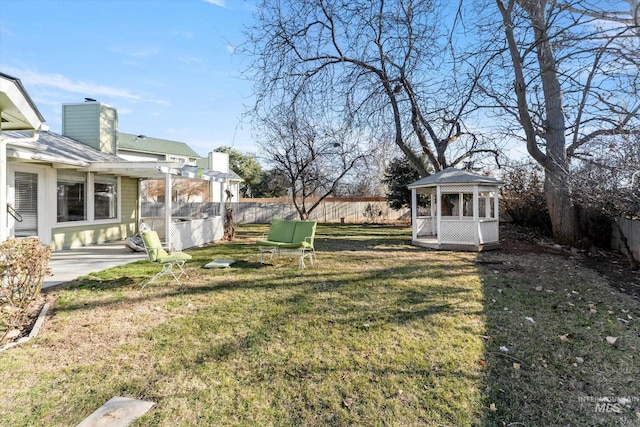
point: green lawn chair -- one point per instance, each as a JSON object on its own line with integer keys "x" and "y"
{"x": 158, "y": 255}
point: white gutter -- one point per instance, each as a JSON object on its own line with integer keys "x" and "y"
{"x": 4, "y": 216}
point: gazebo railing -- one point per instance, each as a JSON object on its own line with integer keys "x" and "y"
{"x": 458, "y": 230}
{"x": 489, "y": 230}
{"x": 426, "y": 225}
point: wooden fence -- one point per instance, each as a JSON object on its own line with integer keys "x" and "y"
{"x": 348, "y": 210}
{"x": 631, "y": 230}
{"x": 262, "y": 211}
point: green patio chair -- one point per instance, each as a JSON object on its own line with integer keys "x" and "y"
{"x": 158, "y": 255}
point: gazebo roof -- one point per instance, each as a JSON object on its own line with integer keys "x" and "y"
{"x": 453, "y": 175}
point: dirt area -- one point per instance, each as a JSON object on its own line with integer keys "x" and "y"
{"x": 611, "y": 265}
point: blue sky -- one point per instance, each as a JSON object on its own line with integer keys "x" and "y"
{"x": 167, "y": 66}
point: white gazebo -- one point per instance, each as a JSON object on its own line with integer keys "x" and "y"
{"x": 462, "y": 212}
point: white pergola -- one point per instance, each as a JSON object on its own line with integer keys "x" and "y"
{"x": 462, "y": 213}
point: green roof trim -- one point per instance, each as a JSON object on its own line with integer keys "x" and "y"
{"x": 146, "y": 144}
{"x": 202, "y": 162}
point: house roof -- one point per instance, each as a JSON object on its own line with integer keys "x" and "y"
{"x": 231, "y": 175}
{"x": 453, "y": 175}
{"x": 65, "y": 151}
{"x": 146, "y": 144}
{"x": 17, "y": 109}
{"x": 59, "y": 149}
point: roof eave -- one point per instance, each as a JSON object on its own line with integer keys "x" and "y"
{"x": 17, "y": 107}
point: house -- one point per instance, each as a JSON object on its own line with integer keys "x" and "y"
{"x": 144, "y": 148}
{"x": 73, "y": 189}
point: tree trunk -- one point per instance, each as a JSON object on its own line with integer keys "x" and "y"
{"x": 557, "y": 185}
{"x": 562, "y": 212}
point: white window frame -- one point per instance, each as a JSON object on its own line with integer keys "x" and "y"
{"x": 86, "y": 199}
{"x": 90, "y": 197}
{"x": 96, "y": 179}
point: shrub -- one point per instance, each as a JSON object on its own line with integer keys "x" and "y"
{"x": 23, "y": 265}
{"x": 372, "y": 213}
{"x": 522, "y": 197}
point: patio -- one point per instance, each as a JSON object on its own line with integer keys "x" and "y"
{"x": 68, "y": 265}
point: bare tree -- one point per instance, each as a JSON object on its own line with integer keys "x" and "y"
{"x": 573, "y": 79}
{"x": 187, "y": 189}
{"x": 315, "y": 158}
{"x": 379, "y": 64}
{"x": 151, "y": 190}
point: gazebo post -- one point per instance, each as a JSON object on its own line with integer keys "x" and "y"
{"x": 487, "y": 205}
{"x": 414, "y": 214}
{"x": 432, "y": 206}
{"x": 476, "y": 216}
{"x": 495, "y": 205}
{"x": 438, "y": 211}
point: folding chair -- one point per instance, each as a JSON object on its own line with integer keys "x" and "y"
{"x": 158, "y": 255}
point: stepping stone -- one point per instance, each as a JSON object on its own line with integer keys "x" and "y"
{"x": 219, "y": 263}
{"x": 117, "y": 412}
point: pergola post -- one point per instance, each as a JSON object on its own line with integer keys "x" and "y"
{"x": 167, "y": 209}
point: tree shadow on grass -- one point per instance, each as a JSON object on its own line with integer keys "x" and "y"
{"x": 547, "y": 362}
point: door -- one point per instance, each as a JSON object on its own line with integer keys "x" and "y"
{"x": 25, "y": 208}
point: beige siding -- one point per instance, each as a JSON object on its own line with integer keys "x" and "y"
{"x": 130, "y": 214}
{"x": 69, "y": 237}
{"x": 108, "y": 129}
{"x": 73, "y": 237}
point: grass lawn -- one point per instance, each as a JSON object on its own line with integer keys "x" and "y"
{"x": 377, "y": 332}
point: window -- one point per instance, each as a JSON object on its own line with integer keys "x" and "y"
{"x": 450, "y": 204}
{"x": 486, "y": 204}
{"x": 72, "y": 200}
{"x": 467, "y": 204}
{"x": 105, "y": 197}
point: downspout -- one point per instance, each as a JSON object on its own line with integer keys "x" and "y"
{"x": 4, "y": 217}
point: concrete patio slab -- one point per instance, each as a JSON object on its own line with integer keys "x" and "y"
{"x": 117, "y": 412}
{"x": 69, "y": 264}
